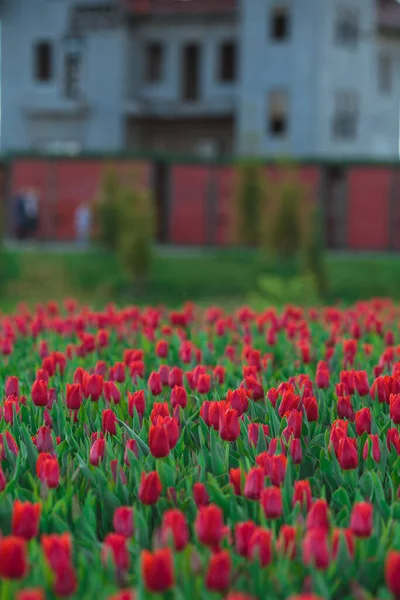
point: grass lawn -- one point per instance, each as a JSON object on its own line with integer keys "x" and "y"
{"x": 177, "y": 275}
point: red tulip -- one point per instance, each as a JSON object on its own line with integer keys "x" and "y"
{"x": 39, "y": 393}
{"x": 318, "y": 516}
{"x": 345, "y": 408}
{"x": 296, "y": 451}
{"x": 109, "y": 421}
{"x": 30, "y": 594}
{"x": 25, "y": 519}
{"x": 254, "y": 485}
{"x": 150, "y": 488}
{"x": 178, "y": 397}
{"x": 92, "y": 386}
{"x": 394, "y": 404}
{"x": 361, "y": 521}
{"x": 123, "y": 595}
{"x": 200, "y": 494}
{"x": 238, "y": 400}
{"x": 154, "y": 383}
{"x": 136, "y": 400}
{"x": 361, "y": 383}
{"x": 392, "y": 572}
{"x": 175, "y": 377}
{"x": 111, "y": 393}
{"x": 363, "y": 421}
{"x": 376, "y": 452}
{"x": 13, "y": 557}
{"x": 65, "y": 583}
{"x": 162, "y": 349}
{"x": 48, "y": 470}
{"x": 347, "y": 535}
{"x": 315, "y": 549}
{"x": 236, "y": 479}
{"x": 322, "y": 376}
{"x": 159, "y": 441}
{"x": 271, "y": 502}
{"x": 160, "y": 409}
{"x": 174, "y": 527}
{"x": 74, "y": 396}
{"x": 114, "y": 546}
{"x": 311, "y": 408}
{"x": 260, "y": 546}
{"x": 278, "y": 469}
{"x": 302, "y": 494}
{"x": 229, "y": 425}
{"x": 123, "y": 521}
{"x": 12, "y": 386}
{"x": 130, "y": 446}
{"x": 44, "y": 442}
{"x": 209, "y": 525}
{"x": 347, "y": 453}
{"x": 287, "y": 541}
{"x": 219, "y": 572}
{"x": 393, "y": 440}
{"x": 57, "y": 549}
{"x": 158, "y": 570}
{"x": 243, "y": 533}
{"x": 256, "y": 388}
{"x": 97, "y": 452}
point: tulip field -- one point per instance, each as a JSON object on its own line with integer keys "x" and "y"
{"x": 193, "y": 454}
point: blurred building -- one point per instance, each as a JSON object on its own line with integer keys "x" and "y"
{"x": 306, "y": 78}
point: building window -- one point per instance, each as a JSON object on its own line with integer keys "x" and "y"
{"x": 278, "y": 113}
{"x": 385, "y": 72}
{"x": 154, "y": 62}
{"x": 346, "y": 112}
{"x": 43, "y": 61}
{"x": 191, "y": 72}
{"x": 72, "y": 75}
{"x": 279, "y": 23}
{"x": 227, "y": 62}
{"x": 347, "y": 27}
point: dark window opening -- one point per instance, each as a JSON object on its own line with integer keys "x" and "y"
{"x": 72, "y": 75}
{"x": 43, "y": 61}
{"x": 191, "y": 72}
{"x": 154, "y": 62}
{"x": 227, "y": 66}
{"x": 385, "y": 72}
{"x": 345, "y": 120}
{"x": 278, "y": 114}
{"x": 280, "y": 23}
{"x": 347, "y": 25}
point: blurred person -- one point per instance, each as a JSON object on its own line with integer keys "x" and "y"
{"x": 83, "y": 219}
{"x": 31, "y": 208}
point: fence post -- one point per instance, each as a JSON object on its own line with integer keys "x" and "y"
{"x": 211, "y": 206}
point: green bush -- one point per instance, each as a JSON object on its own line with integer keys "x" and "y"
{"x": 287, "y": 234}
{"x": 278, "y": 291}
{"x": 107, "y": 211}
{"x": 249, "y": 202}
{"x": 315, "y": 254}
{"x": 135, "y": 232}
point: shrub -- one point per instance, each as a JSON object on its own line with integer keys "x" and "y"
{"x": 107, "y": 211}
{"x": 315, "y": 254}
{"x": 249, "y": 201}
{"x": 135, "y": 232}
{"x": 287, "y": 232}
{"x": 275, "y": 290}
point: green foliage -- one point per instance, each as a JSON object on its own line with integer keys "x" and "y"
{"x": 249, "y": 202}
{"x": 107, "y": 211}
{"x": 287, "y": 235}
{"x": 315, "y": 254}
{"x": 135, "y": 232}
{"x": 276, "y": 290}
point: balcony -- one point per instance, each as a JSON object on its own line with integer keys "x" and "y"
{"x": 180, "y": 7}
{"x": 165, "y": 108}
{"x": 388, "y": 15}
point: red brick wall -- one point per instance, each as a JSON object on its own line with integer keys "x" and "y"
{"x": 368, "y": 208}
{"x": 188, "y": 204}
